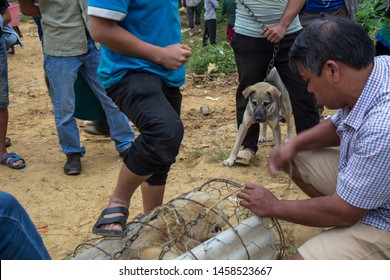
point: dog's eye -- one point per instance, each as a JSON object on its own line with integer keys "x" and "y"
{"x": 266, "y": 103}
{"x": 254, "y": 103}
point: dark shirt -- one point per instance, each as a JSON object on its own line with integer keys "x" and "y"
{"x": 229, "y": 9}
{"x": 3, "y": 5}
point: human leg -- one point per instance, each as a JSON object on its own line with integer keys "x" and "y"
{"x": 315, "y": 171}
{"x": 357, "y": 242}
{"x": 152, "y": 196}
{"x": 19, "y": 237}
{"x": 198, "y": 14}
{"x": 4, "y": 98}
{"x": 252, "y": 57}
{"x": 213, "y": 31}
{"x": 142, "y": 98}
{"x": 190, "y": 16}
{"x": 4, "y": 102}
{"x": 120, "y": 129}
{"x": 62, "y": 74}
{"x": 303, "y": 103}
{"x": 205, "y": 33}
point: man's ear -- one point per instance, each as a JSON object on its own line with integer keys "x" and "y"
{"x": 332, "y": 69}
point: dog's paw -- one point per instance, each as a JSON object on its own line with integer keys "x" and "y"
{"x": 228, "y": 162}
{"x": 262, "y": 139}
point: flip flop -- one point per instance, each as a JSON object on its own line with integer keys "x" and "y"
{"x": 244, "y": 157}
{"x": 102, "y": 220}
{"x": 7, "y": 142}
{"x": 9, "y": 160}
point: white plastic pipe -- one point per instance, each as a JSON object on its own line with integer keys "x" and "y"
{"x": 250, "y": 239}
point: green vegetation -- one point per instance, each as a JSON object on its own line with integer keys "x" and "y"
{"x": 371, "y": 15}
{"x": 221, "y": 55}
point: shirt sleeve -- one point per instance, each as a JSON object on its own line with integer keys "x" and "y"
{"x": 115, "y": 9}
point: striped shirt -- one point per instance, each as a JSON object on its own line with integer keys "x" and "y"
{"x": 364, "y": 130}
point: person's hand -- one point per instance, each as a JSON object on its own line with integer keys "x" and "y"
{"x": 274, "y": 33}
{"x": 258, "y": 199}
{"x": 175, "y": 56}
{"x": 280, "y": 158}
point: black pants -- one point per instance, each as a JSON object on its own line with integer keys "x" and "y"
{"x": 210, "y": 31}
{"x": 154, "y": 108}
{"x": 252, "y": 57}
{"x": 194, "y": 13}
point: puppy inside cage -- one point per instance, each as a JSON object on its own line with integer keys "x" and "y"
{"x": 205, "y": 223}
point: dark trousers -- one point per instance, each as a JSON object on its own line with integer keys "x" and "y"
{"x": 252, "y": 57}
{"x": 154, "y": 109}
{"x": 192, "y": 12}
{"x": 210, "y": 31}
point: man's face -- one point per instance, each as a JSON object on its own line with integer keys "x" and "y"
{"x": 323, "y": 86}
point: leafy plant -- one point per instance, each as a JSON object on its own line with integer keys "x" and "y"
{"x": 371, "y": 15}
{"x": 221, "y": 55}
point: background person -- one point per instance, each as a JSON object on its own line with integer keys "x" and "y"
{"x": 145, "y": 37}
{"x": 254, "y": 46}
{"x": 11, "y": 160}
{"x": 229, "y": 10}
{"x": 68, "y": 49}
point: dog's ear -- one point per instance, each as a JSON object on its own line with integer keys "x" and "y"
{"x": 248, "y": 91}
{"x": 274, "y": 93}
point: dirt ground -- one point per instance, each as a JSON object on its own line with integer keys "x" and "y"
{"x": 70, "y": 205}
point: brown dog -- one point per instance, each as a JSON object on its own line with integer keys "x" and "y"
{"x": 177, "y": 227}
{"x": 266, "y": 101}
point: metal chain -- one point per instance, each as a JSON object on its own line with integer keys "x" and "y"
{"x": 272, "y": 62}
{"x": 264, "y": 28}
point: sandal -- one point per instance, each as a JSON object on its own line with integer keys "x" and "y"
{"x": 7, "y": 142}
{"x": 102, "y": 220}
{"x": 9, "y": 160}
{"x": 244, "y": 157}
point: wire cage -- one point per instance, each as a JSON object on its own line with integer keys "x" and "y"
{"x": 205, "y": 223}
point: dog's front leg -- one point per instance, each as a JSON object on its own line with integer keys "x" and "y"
{"x": 242, "y": 130}
{"x": 276, "y": 132}
{"x": 263, "y": 133}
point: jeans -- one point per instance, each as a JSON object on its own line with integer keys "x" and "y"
{"x": 191, "y": 11}
{"x": 62, "y": 74}
{"x": 252, "y": 57}
{"x": 4, "y": 98}
{"x": 19, "y": 239}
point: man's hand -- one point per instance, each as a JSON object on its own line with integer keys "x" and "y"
{"x": 280, "y": 158}
{"x": 258, "y": 199}
{"x": 175, "y": 56}
{"x": 274, "y": 33}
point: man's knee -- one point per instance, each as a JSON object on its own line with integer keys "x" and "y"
{"x": 8, "y": 203}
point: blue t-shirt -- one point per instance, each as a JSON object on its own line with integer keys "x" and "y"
{"x": 318, "y": 6}
{"x": 155, "y": 22}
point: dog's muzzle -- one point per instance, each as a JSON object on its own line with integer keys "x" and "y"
{"x": 260, "y": 115}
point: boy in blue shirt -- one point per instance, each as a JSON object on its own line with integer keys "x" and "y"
{"x": 142, "y": 69}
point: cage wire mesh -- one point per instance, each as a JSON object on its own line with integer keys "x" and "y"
{"x": 205, "y": 223}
